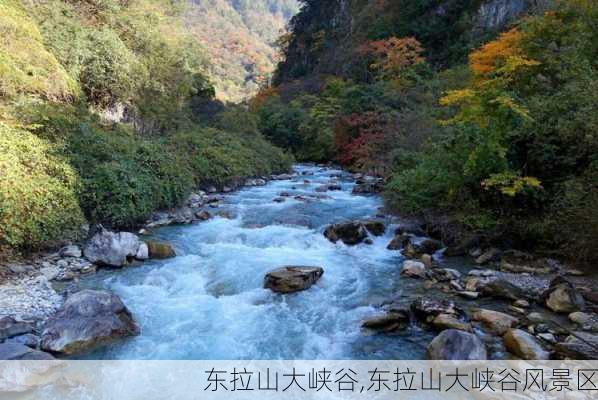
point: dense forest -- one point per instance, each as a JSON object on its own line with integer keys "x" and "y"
{"x": 480, "y": 114}
{"x": 107, "y": 114}
{"x": 240, "y": 37}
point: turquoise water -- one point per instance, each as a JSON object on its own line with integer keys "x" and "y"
{"x": 208, "y": 303}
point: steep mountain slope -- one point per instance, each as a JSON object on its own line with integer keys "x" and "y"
{"x": 326, "y": 33}
{"x": 240, "y": 37}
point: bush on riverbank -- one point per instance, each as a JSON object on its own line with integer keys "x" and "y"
{"x": 38, "y": 191}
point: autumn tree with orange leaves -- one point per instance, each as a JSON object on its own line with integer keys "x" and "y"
{"x": 392, "y": 57}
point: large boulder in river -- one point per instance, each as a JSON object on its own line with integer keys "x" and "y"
{"x": 19, "y": 352}
{"x": 160, "y": 250}
{"x": 292, "y": 279}
{"x": 524, "y": 345}
{"x": 453, "y": 344}
{"x": 87, "y": 319}
{"x": 112, "y": 249}
{"x": 350, "y": 233}
{"x": 562, "y": 297}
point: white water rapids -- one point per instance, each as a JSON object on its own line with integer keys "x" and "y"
{"x": 209, "y": 301}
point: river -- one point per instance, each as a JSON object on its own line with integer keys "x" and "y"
{"x": 209, "y": 301}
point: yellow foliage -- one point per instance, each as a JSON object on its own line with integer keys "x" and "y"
{"x": 511, "y": 184}
{"x": 454, "y": 97}
{"x": 486, "y": 59}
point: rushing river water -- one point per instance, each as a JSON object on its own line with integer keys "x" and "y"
{"x": 209, "y": 301}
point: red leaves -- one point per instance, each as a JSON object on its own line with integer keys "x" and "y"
{"x": 360, "y": 138}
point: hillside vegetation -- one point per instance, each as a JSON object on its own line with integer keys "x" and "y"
{"x": 240, "y": 37}
{"x": 483, "y": 112}
{"x": 106, "y": 114}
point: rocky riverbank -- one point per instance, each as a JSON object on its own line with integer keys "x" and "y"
{"x": 510, "y": 304}
{"x": 486, "y": 302}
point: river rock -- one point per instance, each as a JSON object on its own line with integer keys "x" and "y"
{"x": 502, "y": 289}
{"x": 426, "y": 310}
{"x": 19, "y": 352}
{"x": 87, "y": 319}
{"x": 561, "y": 297}
{"x": 9, "y": 327}
{"x": 142, "y": 252}
{"x": 28, "y": 339}
{"x": 368, "y": 188}
{"x": 579, "y": 317}
{"x": 578, "y": 346}
{"x": 417, "y": 249}
{"x": 182, "y": 216}
{"x": 203, "y": 215}
{"x": 71, "y": 251}
{"x": 195, "y": 200}
{"x": 281, "y": 177}
{"x": 520, "y": 262}
{"x": 494, "y": 321}
{"x": 414, "y": 269}
{"x": 350, "y": 233}
{"x": 489, "y": 255}
{"x": 376, "y": 228}
{"x": 398, "y": 242}
{"x": 524, "y": 345}
{"x": 390, "y": 322}
{"x": 445, "y": 274}
{"x": 469, "y": 295}
{"x": 449, "y": 321}
{"x": 521, "y": 304}
{"x": 588, "y": 322}
{"x": 414, "y": 229}
{"x": 292, "y": 279}
{"x": 160, "y": 250}
{"x": 453, "y": 344}
{"x": 427, "y": 260}
{"x": 112, "y": 249}
{"x": 462, "y": 246}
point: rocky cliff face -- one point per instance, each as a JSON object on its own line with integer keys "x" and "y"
{"x": 326, "y": 32}
{"x": 495, "y": 14}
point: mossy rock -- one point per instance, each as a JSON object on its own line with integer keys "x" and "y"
{"x": 160, "y": 250}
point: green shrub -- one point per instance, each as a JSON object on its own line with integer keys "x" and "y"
{"x": 218, "y": 157}
{"x": 26, "y": 67}
{"x": 123, "y": 177}
{"x": 38, "y": 197}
